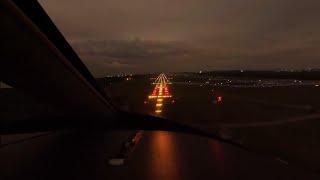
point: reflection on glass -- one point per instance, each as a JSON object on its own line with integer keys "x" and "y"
{"x": 165, "y": 160}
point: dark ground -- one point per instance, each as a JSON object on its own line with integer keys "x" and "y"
{"x": 297, "y": 141}
{"x": 162, "y": 155}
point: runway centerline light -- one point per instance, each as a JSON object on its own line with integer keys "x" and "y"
{"x": 159, "y": 104}
{"x": 160, "y": 92}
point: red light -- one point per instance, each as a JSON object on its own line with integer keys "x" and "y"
{"x": 219, "y": 99}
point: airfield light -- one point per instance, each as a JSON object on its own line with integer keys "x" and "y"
{"x": 160, "y": 91}
{"x": 159, "y": 104}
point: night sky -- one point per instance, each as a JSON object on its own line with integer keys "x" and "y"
{"x": 137, "y": 36}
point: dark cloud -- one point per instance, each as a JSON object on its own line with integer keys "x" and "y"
{"x": 132, "y": 49}
{"x": 131, "y": 55}
{"x": 182, "y": 35}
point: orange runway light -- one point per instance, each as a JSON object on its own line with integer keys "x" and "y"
{"x": 160, "y": 91}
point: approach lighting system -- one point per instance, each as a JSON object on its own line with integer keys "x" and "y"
{"x": 160, "y": 91}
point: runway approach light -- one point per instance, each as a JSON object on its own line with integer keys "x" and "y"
{"x": 160, "y": 92}
{"x": 159, "y": 105}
